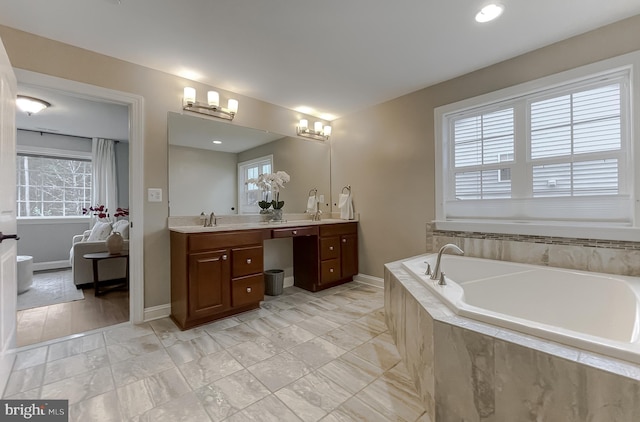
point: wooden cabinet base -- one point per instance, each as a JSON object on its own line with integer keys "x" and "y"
{"x": 216, "y": 275}
{"x": 191, "y": 323}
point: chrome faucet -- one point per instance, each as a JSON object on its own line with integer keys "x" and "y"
{"x": 211, "y": 221}
{"x": 316, "y": 215}
{"x": 437, "y": 273}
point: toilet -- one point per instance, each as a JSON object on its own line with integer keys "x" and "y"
{"x": 25, "y": 272}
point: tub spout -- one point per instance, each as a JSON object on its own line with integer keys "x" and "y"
{"x": 449, "y": 246}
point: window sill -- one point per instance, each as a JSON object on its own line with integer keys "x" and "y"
{"x": 554, "y": 229}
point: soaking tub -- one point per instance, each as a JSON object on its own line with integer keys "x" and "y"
{"x": 591, "y": 311}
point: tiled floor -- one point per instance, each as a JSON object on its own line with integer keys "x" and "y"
{"x": 54, "y": 321}
{"x": 301, "y": 356}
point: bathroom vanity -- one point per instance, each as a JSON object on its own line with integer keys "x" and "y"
{"x": 218, "y": 271}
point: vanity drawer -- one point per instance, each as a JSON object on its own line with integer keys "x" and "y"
{"x": 338, "y": 229}
{"x": 247, "y": 290}
{"x": 294, "y": 232}
{"x": 207, "y": 241}
{"x": 329, "y": 248}
{"x": 247, "y": 260}
{"x": 330, "y": 270}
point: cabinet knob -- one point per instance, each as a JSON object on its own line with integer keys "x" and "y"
{"x": 249, "y": 261}
{"x": 295, "y": 232}
{"x": 224, "y": 257}
{"x": 248, "y": 289}
{"x": 330, "y": 270}
{"x": 330, "y": 248}
{"x": 344, "y": 240}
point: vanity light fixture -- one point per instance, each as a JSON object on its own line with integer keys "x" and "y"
{"x": 489, "y": 12}
{"x": 318, "y": 132}
{"x": 31, "y": 105}
{"x": 212, "y": 108}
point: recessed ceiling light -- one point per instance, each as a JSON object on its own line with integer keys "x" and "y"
{"x": 217, "y": 142}
{"x": 489, "y": 12}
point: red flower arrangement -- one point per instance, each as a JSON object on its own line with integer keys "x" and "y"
{"x": 101, "y": 211}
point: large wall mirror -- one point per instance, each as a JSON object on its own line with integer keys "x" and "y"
{"x": 203, "y": 175}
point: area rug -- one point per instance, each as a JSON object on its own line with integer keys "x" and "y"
{"x": 49, "y": 288}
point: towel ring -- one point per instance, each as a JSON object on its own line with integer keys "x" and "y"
{"x": 348, "y": 188}
{"x": 315, "y": 192}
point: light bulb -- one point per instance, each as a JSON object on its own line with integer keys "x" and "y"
{"x": 233, "y": 106}
{"x": 189, "y": 95}
{"x": 213, "y": 98}
{"x": 304, "y": 124}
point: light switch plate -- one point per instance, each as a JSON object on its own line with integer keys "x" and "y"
{"x": 321, "y": 198}
{"x": 154, "y": 195}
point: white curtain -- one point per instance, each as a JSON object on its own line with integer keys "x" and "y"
{"x": 105, "y": 188}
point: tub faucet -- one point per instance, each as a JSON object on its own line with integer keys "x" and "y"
{"x": 435, "y": 275}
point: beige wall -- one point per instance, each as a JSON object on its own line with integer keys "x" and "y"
{"x": 162, "y": 93}
{"x": 386, "y": 152}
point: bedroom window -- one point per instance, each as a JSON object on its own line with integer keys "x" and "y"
{"x": 52, "y": 186}
{"x": 550, "y": 152}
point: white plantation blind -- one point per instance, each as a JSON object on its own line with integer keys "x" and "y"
{"x": 483, "y": 146}
{"x": 555, "y": 154}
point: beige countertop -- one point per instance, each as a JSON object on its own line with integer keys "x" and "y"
{"x": 251, "y": 225}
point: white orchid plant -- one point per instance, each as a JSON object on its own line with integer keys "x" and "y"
{"x": 273, "y": 182}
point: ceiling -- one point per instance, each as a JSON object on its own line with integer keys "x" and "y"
{"x": 332, "y": 57}
{"x": 72, "y": 115}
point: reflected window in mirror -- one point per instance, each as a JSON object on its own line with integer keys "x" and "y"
{"x": 249, "y": 194}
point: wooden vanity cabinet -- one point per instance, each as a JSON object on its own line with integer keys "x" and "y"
{"x": 327, "y": 260}
{"x": 214, "y": 275}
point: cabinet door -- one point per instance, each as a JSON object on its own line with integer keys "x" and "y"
{"x": 209, "y": 283}
{"x": 349, "y": 255}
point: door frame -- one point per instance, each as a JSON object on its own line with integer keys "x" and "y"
{"x": 136, "y": 172}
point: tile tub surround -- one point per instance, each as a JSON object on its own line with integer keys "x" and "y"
{"x": 467, "y": 370}
{"x": 601, "y": 256}
{"x": 300, "y": 357}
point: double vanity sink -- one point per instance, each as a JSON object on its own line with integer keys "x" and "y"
{"x": 219, "y": 271}
{"x": 221, "y": 227}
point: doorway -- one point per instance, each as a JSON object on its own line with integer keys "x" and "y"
{"x": 132, "y": 300}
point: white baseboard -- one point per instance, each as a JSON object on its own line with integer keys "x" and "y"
{"x": 157, "y": 312}
{"x": 51, "y": 265}
{"x": 288, "y": 282}
{"x": 369, "y": 279}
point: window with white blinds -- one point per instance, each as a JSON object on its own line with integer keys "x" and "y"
{"x": 558, "y": 154}
{"x": 249, "y": 194}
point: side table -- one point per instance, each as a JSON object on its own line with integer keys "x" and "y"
{"x": 113, "y": 284}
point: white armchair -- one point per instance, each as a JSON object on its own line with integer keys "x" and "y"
{"x": 82, "y": 269}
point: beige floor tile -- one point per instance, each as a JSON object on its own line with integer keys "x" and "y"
{"x": 300, "y": 357}
{"x": 279, "y": 370}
